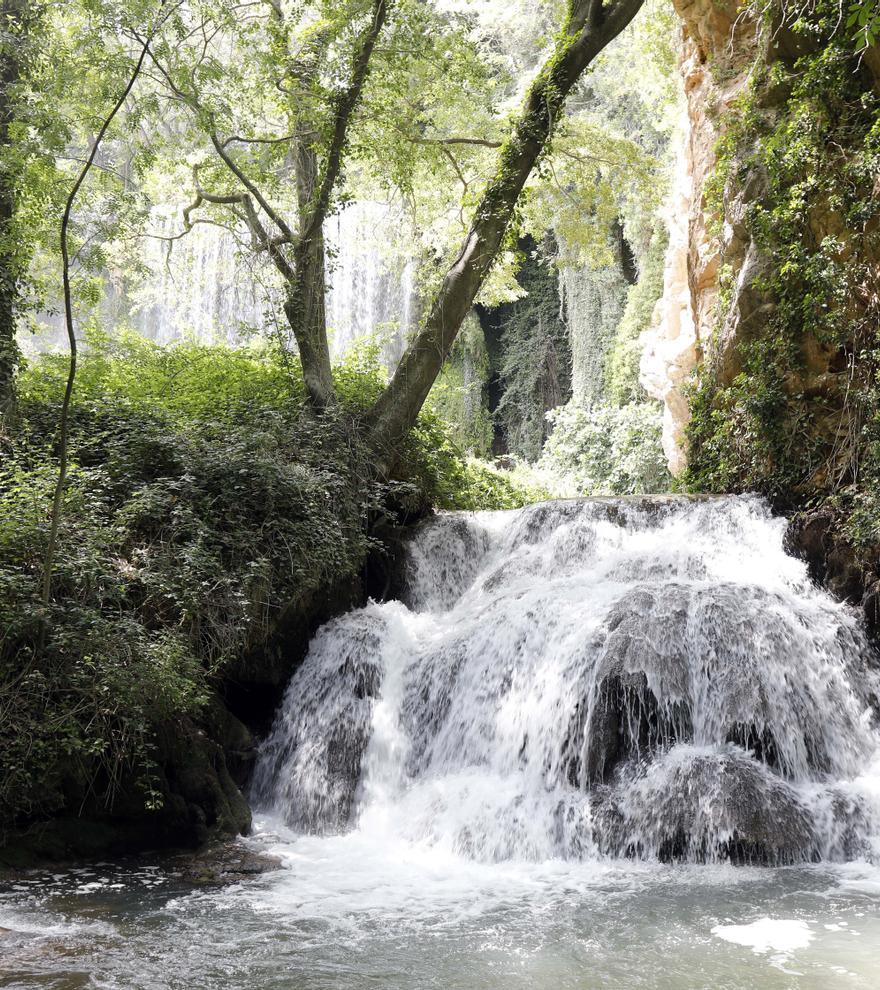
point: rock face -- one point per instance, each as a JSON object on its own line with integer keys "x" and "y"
{"x": 694, "y": 806}
{"x": 718, "y": 53}
{"x": 716, "y": 295}
{"x": 850, "y": 574}
{"x": 197, "y": 778}
{"x": 669, "y": 352}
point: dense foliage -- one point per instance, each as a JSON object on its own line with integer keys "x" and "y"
{"x": 532, "y": 357}
{"x": 608, "y": 450}
{"x": 202, "y": 499}
{"x": 458, "y": 394}
{"x": 621, "y": 376}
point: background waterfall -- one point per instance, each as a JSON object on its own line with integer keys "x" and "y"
{"x": 209, "y": 288}
{"x": 371, "y": 280}
{"x": 646, "y": 677}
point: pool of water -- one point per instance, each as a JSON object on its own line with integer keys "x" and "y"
{"x": 351, "y": 912}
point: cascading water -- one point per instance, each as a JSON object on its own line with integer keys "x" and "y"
{"x": 480, "y": 784}
{"x": 371, "y": 280}
{"x": 209, "y": 288}
{"x": 651, "y": 677}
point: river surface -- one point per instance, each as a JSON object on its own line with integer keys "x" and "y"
{"x": 620, "y": 744}
{"x": 343, "y": 914}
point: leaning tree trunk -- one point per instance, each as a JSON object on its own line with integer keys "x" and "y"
{"x": 591, "y": 26}
{"x": 13, "y": 26}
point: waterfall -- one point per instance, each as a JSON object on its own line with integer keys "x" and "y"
{"x": 649, "y": 677}
{"x": 210, "y": 288}
{"x": 203, "y": 287}
{"x": 371, "y": 280}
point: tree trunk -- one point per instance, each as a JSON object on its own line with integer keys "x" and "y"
{"x": 305, "y": 274}
{"x": 13, "y": 27}
{"x": 305, "y": 311}
{"x": 304, "y": 305}
{"x": 591, "y": 26}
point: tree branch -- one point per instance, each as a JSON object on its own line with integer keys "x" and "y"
{"x": 481, "y": 142}
{"x": 272, "y": 244}
{"x": 238, "y": 139}
{"x": 251, "y": 187}
{"x": 345, "y": 106}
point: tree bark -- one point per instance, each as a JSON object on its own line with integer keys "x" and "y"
{"x": 591, "y": 26}
{"x": 304, "y": 305}
{"x": 14, "y": 22}
{"x": 304, "y": 308}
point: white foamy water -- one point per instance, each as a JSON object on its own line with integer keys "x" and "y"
{"x": 648, "y": 678}
{"x": 536, "y": 773}
{"x": 768, "y": 934}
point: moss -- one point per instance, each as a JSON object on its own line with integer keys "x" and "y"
{"x": 622, "y": 362}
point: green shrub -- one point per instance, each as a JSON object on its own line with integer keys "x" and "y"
{"x": 202, "y": 499}
{"x": 608, "y": 450}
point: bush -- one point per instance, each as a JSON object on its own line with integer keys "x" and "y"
{"x": 202, "y": 499}
{"x": 607, "y": 450}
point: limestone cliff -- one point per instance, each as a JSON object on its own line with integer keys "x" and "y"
{"x": 770, "y": 296}
{"x": 669, "y": 353}
{"x": 766, "y": 345}
{"x": 718, "y": 56}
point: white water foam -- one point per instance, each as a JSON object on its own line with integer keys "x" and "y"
{"x": 651, "y": 677}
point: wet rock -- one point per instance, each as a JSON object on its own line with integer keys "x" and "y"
{"x": 850, "y": 574}
{"x": 871, "y": 605}
{"x": 254, "y": 683}
{"x": 223, "y": 863}
{"x": 705, "y": 807}
{"x": 312, "y": 760}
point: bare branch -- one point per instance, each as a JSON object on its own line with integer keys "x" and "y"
{"x": 481, "y": 142}
{"x": 238, "y": 139}
{"x": 251, "y": 187}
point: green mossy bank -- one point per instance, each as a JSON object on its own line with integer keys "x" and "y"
{"x": 210, "y": 524}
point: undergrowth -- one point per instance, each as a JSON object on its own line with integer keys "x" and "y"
{"x": 202, "y": 498}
